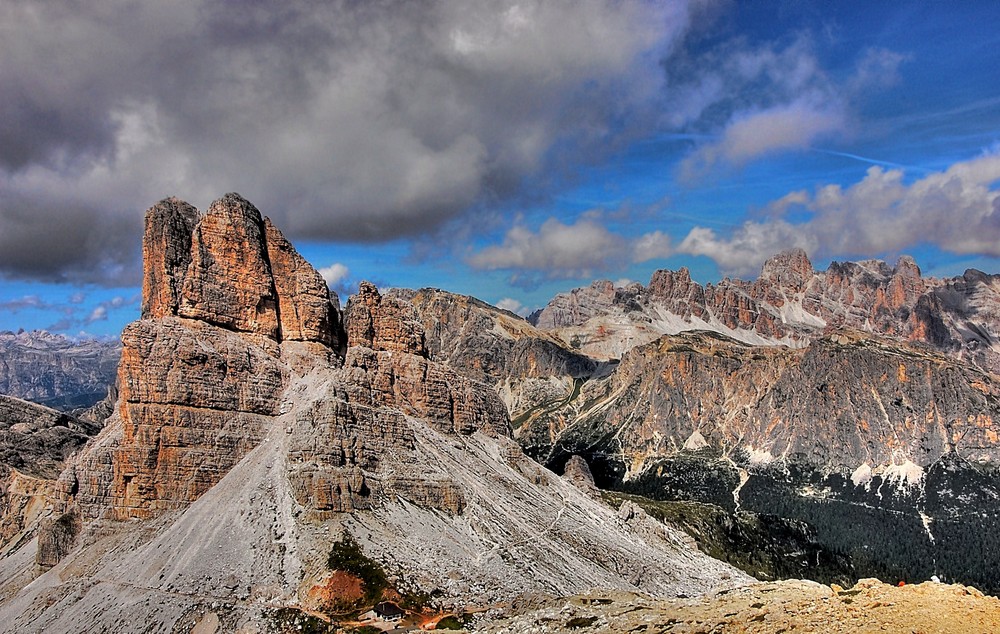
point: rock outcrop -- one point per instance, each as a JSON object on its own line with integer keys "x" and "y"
{"x": 255, "y": 427}
{"x": 307, "y": 310}
{"x": 201, "y": 374}
{"x": 166, "y": 254}
{"x": 35, "y": 443}
{"x": 229, "y": 281}
{"x": 846, "y": 400}
{"x": 36, "y": 440}
{"x": 528, "y": 367}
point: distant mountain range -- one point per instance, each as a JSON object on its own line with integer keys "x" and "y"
{"x": 57, "y": 371}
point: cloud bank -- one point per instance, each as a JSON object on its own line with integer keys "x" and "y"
{"x": 343, "y": 120}
{"x": 957, "y": 210}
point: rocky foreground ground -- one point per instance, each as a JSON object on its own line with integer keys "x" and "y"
{"x": 772, "y": 608}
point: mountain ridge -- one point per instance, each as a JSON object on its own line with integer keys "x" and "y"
{"x": 258, "y": 426}
{"x": 789, "y": 304}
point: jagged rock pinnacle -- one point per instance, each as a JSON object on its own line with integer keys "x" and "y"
{"x": 233, "y": 268}
{"x": 166, "y": 254}
{"x": 228, "y": 282}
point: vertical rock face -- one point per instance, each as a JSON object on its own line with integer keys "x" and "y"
{"x": 678, "y": 293}
{"x": 383, "y": 323}
{"x": 304, "y": 305}
{"x": 234, "y": 269}
{"x": 194, "y": 400}
{"x": 166, "y": 254}
{"x": 228, "y": 282}
{"x": 201, "y": 374}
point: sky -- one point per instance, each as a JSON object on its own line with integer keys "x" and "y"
{"x": 508, "y": 150}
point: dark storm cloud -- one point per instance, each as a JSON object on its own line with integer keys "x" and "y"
{"x": 350, "y": 120}
{"x": 59, "y": 241}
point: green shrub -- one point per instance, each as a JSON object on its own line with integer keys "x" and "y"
{"x": 346, "y": 555}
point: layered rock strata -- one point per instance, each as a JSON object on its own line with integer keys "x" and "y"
{"x": 846, "y": 400}
{"x": 254, "y": 428}
{"x": 528, "y": 367}
{"x": 56, "y": 371}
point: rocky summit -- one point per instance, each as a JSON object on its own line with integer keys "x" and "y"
{"x": 272, "y": 461}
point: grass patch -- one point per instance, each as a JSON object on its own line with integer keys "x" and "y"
{"x": 450, "y": 623}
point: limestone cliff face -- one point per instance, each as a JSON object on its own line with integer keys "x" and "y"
{"x": 166, "y": 254}
{"x": 201, "y": 374}
{"x": 229, "y": 281}
{"x": 228, "y": 326}
{"x": 846, "y": 400}
{"x": 306, "y": 309}
{"x": 383, "y": 323}
{"x": 194, "y": 400}
{"x": 232, "y": 268}
{"x": 353, "y": 445}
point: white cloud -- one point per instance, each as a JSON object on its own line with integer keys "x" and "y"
{"x": 652, "y": 246}
{"x": 514, "y": 306}
{"x": 755, "y": 101}
{"x": 334, "y": 274}
{"x": 749, "y": 135}
{"x": 100, "y": 313}
{"x": 877, "y": 67}
{"x": 957, "y": 210}
{"x": 556, "y": 249}
{"x": 744, "y": 251}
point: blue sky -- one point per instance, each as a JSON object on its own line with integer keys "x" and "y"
{"x": 508, "y": 150}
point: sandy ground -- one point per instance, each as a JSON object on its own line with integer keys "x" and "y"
{"x": 772, "y": 608}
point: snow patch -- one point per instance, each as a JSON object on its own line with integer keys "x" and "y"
{"x": 668, "y": 323}
{"x": 906, "y": 474}
{"x": 862, "y": 475}
{"x": 695, "y": 442}
{"x": 759, "y": 456}
{"x": 792, "y": 312}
